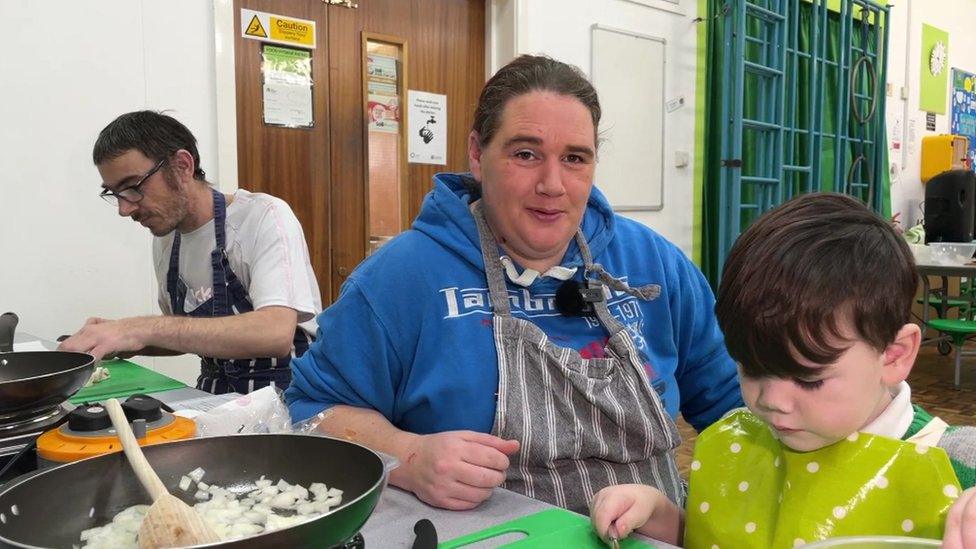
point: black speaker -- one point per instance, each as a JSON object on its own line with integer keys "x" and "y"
{"x": 950, "y": 210}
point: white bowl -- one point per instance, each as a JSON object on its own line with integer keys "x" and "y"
{"x": 874, "y": 542}
{"x": 952, "y": 253}
{"x": 922, "y": 253}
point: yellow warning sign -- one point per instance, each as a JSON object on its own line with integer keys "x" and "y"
{"x": 293, "y": 31}
{"x": 255, "y": 28}
{"x": 280, "y": 29}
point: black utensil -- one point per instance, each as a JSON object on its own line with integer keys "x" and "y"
{"x": 426, "y": 535}
{"x": 8, "y": 324}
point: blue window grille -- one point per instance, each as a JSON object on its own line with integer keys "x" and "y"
{"x": 803, "y": 106}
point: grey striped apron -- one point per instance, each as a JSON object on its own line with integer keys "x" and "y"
{"x": 583, "y": 424}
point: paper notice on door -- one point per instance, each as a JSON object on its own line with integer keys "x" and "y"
{"x": 287, "y": 86}
{"x": 427, "y": 143}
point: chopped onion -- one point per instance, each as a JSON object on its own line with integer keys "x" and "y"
{"x": 196, "y": 474}
{"x": 265, "y": 507}
{"x": 14, "y": 510}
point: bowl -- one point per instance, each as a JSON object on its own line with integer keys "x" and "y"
{"x": 922, "y": 253}
{"x": 952, "y": 253}
{"x": 874, "y": 542}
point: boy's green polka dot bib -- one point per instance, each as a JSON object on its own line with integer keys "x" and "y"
{"x": 748, "y": 490}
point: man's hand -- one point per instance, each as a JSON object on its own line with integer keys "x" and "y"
{"x": 960, "y": 531}
{"x": 101, "y": 337}
{"x": 456, "y": 470}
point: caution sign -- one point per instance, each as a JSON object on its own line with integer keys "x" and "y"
{"x": 255, "y": 28}
{"x": 280, "y": 29}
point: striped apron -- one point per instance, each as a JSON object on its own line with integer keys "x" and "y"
{"x": 583, "y": 424}
{"x": 220, "y": 375}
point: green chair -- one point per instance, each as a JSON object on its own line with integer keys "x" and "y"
{"x": 959, "y": 331}
{"x": 935, "y": 302}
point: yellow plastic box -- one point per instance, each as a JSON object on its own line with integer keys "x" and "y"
{"x": 941, "y": 153}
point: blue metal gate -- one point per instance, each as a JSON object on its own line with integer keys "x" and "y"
{"x": 803, "y": 106}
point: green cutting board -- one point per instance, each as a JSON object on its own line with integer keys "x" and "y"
{"x": 550, "y": 528}
{"x": 127, "y": 378}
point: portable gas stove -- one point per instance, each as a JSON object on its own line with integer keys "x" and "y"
{"x": 18, "y": 430}
{"x": 89, "y": 432}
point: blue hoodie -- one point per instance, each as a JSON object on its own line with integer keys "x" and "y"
{"x": 411, "y": 334}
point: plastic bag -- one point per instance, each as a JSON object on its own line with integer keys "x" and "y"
{"x": 263, "y": 411}
{"x": 310, "y": 426}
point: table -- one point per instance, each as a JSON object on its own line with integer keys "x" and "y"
{"x": 391, "y": 524}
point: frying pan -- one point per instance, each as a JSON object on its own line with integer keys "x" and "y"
{"x": 34, "y": 380}
{"x": 53, "y": 506}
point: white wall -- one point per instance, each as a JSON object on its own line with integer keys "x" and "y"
{"x": 951, "y": 16}
{"x": 561, "y": 29}
{"x": 69, "y": 69}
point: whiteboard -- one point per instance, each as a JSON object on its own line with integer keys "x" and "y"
{"x": 627, "y": 70}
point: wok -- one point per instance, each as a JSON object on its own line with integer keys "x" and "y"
{"x": 53, "y": 506}
{"x": 34, "y": 380}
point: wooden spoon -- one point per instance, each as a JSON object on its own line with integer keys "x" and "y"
{"x": 169, "y": 522}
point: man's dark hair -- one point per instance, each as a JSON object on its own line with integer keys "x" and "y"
{"x": 528, "y": 73}
{"x": 152, "y": 133}
{"x": 802, "y": 272}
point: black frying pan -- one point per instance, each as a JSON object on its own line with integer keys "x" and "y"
{"x": 53, "y": 506}
{"x": 34, "y": 380}
{"x": 31, "y": 381}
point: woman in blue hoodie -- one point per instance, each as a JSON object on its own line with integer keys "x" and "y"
{"x": 521, "y": 334}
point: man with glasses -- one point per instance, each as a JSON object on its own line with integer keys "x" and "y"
{"x": 235, "y": 282}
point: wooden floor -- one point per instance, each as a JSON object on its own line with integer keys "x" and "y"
{"x": 932, "y": 388}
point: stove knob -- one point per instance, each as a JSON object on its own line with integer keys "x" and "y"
{"x": 142, "y": 407}
{"x": 85, "y": 419}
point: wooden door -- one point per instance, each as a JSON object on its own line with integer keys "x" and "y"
{"x": 322, "y": 172}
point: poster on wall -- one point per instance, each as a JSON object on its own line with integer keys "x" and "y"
{"x": 963, "y": 119}
{"x": 383, "y": 104}
{"x": 934, "y": 77}
{"x": 287, "y": 86}
{"x": 427, "y": 143}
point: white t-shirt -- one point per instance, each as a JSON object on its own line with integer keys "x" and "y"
{"x": 266, "y": 250}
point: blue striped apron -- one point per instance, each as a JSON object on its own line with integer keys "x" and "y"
{"x": 220, "y": 375}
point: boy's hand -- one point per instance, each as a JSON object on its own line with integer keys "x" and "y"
{"x": 960, "y": 532}
{"x": 628, "y": 507}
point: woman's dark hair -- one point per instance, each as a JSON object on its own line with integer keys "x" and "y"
{"x": 152, "y": 133}
{"x": 528, "y": 73}
{"x": 805, "y": 270}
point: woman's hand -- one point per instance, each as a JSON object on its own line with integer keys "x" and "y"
{"x": 457, "y": 470}
{"x": 630, "y": 507}
{"x": 960, "y": 532}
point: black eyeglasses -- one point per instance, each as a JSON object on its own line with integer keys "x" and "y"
{"x": 132, "y": 193}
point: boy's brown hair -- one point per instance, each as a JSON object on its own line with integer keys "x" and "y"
{"x": 804, "y": 270}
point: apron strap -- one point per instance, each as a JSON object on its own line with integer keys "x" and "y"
{"x": 218, "y": 257}
{"x": 177, "y": 295}
{"x": 609, "y": 321}
{"x": 497, "y": 289}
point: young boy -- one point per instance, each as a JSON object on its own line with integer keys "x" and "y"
{"x": 815, "y": 302}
